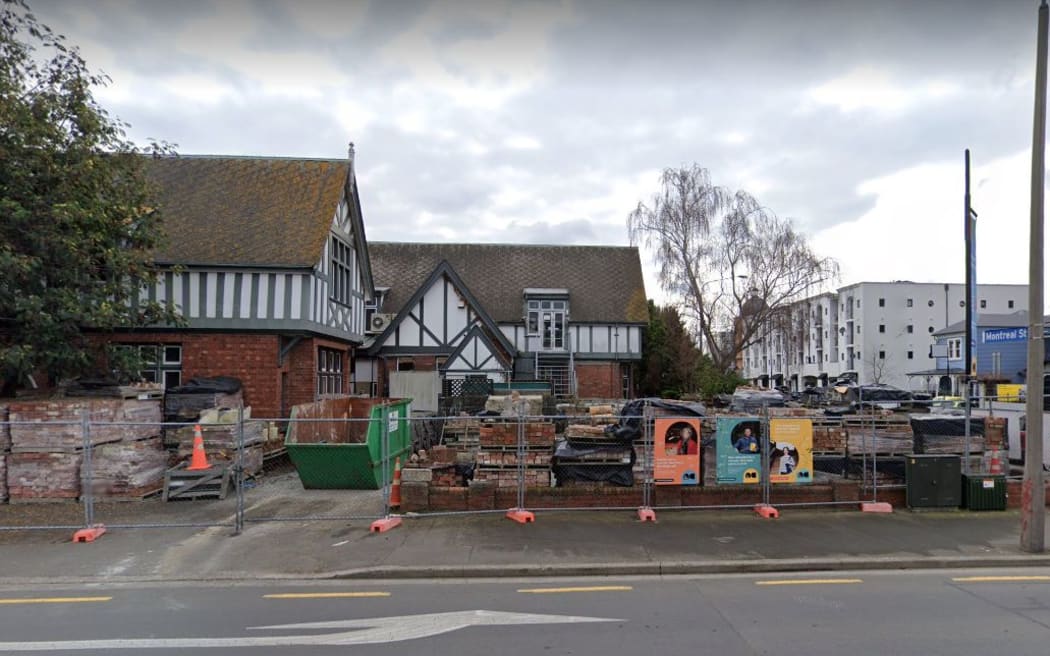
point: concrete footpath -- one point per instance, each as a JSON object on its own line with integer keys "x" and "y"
{"x": 556, "y": 544}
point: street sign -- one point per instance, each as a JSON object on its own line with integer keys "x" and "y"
{"x": 1000, "y": 335}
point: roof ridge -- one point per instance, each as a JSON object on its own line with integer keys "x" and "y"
{"x": 282, "y": 158}
{"x": 444, "y": 244}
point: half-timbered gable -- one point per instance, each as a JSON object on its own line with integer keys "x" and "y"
{"x": 567, "y": 314}
{"x": 477, "y": 354}
{"x": 266, "y": 261}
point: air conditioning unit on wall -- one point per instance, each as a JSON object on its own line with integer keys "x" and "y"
{"x": 378, "y": 322}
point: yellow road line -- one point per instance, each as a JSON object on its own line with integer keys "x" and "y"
{"x": 993, "y": 579}
{"x": 809, "y": 582}
{"x": 325, "y": 595}
{"x": 54, "y": 600}
{"x": 597, "y": 588}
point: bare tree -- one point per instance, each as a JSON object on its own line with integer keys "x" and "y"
{"x": 733, "y": 265}
{"x": 881, "y": 368}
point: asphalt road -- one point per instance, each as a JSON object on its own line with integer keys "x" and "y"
{"x": 916, "y": 612}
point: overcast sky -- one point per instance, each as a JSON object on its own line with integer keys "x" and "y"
{"x": 547, "y": 122}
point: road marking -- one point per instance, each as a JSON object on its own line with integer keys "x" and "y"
{"x": 55, "y": 600}
{"x": 370, "y": 631}
{"x": 596, "y": 588}
{"x": 325, "y": 595}
{"x": 994, "y": 579}
{"x": 809, "y": 582}
{"x": 339, "y": 544}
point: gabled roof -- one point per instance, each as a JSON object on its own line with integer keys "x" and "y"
{"x": 247, "y": 211}
{"x": 474, "y": 336}
{"x": 443, "y": 269}
{"x": 605, "y": 282}
{"x": 1013, "y": 320}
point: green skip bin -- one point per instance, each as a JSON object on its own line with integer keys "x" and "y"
{"x": 337, "y": 443}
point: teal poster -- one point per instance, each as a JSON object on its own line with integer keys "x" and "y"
{"x": 738, "y": 450}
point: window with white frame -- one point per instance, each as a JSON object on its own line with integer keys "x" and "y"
{"x": 546, "y": 321}
{"x": 159, "y": 363}
{"x": 342, "y": 278}
{"x": 329, "y": 371}
{"x": 955, "y": 348}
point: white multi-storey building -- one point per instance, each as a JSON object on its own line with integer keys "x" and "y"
{"x": 876, "y": 332}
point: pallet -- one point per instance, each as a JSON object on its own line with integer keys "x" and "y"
{"x": 213, "y": 482}
{"x": 139, "y": 494}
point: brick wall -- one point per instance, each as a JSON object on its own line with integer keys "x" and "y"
{"x": 599, "y": 380}
{"x": 252, "y": 359}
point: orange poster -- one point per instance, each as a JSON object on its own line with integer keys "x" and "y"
{"x": 676, "y": 446}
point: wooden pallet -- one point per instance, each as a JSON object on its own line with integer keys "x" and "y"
{"x": 213, "y": 482}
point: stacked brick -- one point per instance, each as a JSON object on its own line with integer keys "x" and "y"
{"x": 128, "y": 469}
{"x": 498, "y": 459}
{"x": 47, "y": 445}
{"x": 883, "y": 435}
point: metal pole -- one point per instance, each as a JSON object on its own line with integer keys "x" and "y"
{"x": 238, "y": 474}
{"x": 521, "y": 461}
{"x": 1033, "y": 492}
{"x": 971, "y": 319}
{"x": 86, "y": 470}
{"x": 766, "y": 443}
{"x": 647, "y": 455}
{"x": 384, "y": 456}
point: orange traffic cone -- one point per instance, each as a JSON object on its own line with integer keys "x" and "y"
{"x": 199, "y": 460}
{"x": 395, "y": 489}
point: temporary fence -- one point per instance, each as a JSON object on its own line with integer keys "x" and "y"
{"x": 359, "y": 460}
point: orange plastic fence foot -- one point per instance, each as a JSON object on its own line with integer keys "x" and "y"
{"x": 767, "y": 511}
{"x": 646, "y": 514}
{"x": 521, "y": 516}
{"x": 385, "y": 524}
{"x": 89, "y": 534}
{"x": 876, "y": 507}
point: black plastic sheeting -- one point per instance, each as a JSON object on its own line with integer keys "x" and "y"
{"x": 621, "y": 473}
{"x": 879, "y": 393}
{"x": 946, "y": 426}
{"x": 630, "y": 426}
{"x": 216, "y": 385}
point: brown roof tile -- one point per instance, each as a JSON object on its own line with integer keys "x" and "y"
{"x": 605, "y": 282}
{"x": 246, "y": 211}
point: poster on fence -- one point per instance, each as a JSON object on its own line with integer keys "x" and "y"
{"x": 676, "y": 451}
{"x": 738, "y": 450}
{"x": 790, "y": 451}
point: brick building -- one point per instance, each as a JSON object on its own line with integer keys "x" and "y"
{"x": 266, "y": 261}
{"x": 449, "y": 314}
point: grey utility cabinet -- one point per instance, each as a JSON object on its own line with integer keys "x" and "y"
{"x": 934, "y": 481}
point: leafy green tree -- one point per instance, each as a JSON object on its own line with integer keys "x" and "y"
{"x": 669, "y": 364}
{"x": 77, "y": 217}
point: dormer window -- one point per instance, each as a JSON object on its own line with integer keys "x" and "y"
{"x": 546, "y": 316}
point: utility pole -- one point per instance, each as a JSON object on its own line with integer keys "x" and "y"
{"x": 970, "y": 373}
{"x": 1033, "y": 492}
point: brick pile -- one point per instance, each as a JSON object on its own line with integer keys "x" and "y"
{"x": 47, "y": 442}
{"x": 43, "y": 475}
{"x": 885, "y": 435}
{"x": 54, "y": 424}
{"x": 497, "y": 459}
{"x": 129, "y": 469}
{"x": 506, "y": 434}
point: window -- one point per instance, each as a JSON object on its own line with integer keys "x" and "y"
{"x": 984, "y": 303}
{"x": 882, "y": 327}
{"x": 930, "y": 302}
{"x": 910, "y": 328}
{"x": 962, "y": 303}
{"x": 882, "y": 302}
{"x": 858, "y": 330}
{"x": 329, "y": 371}
{"x": 909, "y": 302}
{"x": 955, "y": 348}
{"x": 159, "y": 363}
{"x": 341, "y": 281}
{"x": 930, "y": 329}
{"x": 1010, "y": 304}
{"x": 882, "y": 355}
{"x": 546, "y": 320}
{"x": 911, "y": 355}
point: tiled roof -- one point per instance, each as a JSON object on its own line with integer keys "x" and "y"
{"x": 605, "y": 282}
{"x": 246, "y": 211}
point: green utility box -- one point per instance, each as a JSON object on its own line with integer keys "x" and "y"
{"x": 933, "y": 481}
{"x": 984, "y": 492}
{"x": 338, "y": 443}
